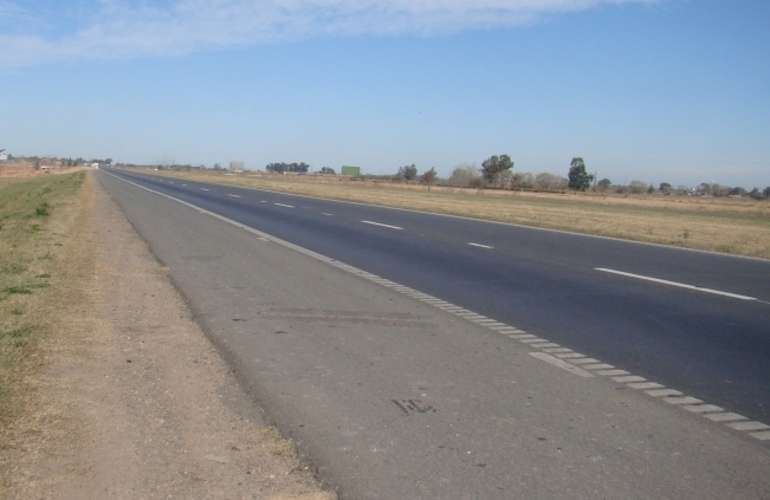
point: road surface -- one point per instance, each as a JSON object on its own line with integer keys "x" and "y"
{"x": 460, "y": 359}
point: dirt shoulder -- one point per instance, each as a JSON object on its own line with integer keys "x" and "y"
{"x": 132, "y": 401}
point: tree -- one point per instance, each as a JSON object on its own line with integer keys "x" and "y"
{"x": 522, "y": 180}
{"x": 429, "y": 177}
{"x": 665, "y": 187}
{"x": 327, "y": 171}
{"x": 494, "y": 167}
{"x": 604, "y": 184}
{"x": 579, "y": 179}
{"x": 637, "y": 187}
{"x": 766, "y": 192}
{"x": 408, "y": 172}
{"x": 550, "y": 182}
{"x": 282, "y": 168}
{"x": 463, "y": 174}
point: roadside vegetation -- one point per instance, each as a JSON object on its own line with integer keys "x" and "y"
{"x": 691, "y": 218}
{"x": 33, "y": 220}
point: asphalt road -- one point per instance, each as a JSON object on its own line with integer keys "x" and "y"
{"x": 393, "y": 397}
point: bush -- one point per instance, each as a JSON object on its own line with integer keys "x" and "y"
{"x": 477, "y": 183}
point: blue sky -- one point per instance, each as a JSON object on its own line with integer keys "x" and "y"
{"x": 671, "y": 91}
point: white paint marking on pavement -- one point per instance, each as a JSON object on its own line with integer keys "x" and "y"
{"x": 586, "y": 361}
{"x": 565, "y": 355}
{"x": 749, "y": 426}
{"x": 479, "y": 245}
{"x": 283, "y": 205}
{"x": 561, "y": 364}
{"x": 382, "y": 225}
{"x": 659, "y": 393}
{"x": 625, "y": 379}
{"x": 682, "y": 400}
{"x": 233, "y": 195}
{"x": 674, "y": 283}
{"x": 704, "y": 408}
{"x": 762, "y": 436}
{"x": 328, "y": 215}
{"x": 734, "y": 421}
{"x": 204, "y": 189}
{"x": 725, "y": 417}
{"x": 642, "y": 386}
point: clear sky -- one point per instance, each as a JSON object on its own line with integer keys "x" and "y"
{"x": 671, "y": 91}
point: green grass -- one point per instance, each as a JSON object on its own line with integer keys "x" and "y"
{"x": 32, "y": 212}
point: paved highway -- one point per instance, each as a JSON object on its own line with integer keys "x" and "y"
{"x": 649, "y": 324}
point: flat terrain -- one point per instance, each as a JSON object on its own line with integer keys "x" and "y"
{"x": 438, "y": 369}
{"x": 739, "y": 226}
{"x": 115, "y": 391}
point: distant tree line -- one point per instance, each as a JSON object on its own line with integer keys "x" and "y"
{"x": 282, "y": 168}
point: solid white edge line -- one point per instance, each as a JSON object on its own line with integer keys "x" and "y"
{"x": 674, "y": 283}
{"x": 500, "y": 223}
{"x": 573, "y": 368}
{"x": 382, "y": 225}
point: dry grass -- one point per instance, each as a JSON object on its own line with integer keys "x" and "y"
{"x": 34, "y": 214}
{"x": 728, "y": 225}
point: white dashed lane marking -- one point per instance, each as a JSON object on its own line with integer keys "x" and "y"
{"x": 674, "y": 283}
{"x": 479, "y": 245}
{"x": 382, "y": 225}
{"x": 542, "y": 349}
{"x": 283, "y": 205}
{"x": 233, "y": 195}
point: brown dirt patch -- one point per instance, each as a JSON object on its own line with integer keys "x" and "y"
{"x": 131, "y": 400}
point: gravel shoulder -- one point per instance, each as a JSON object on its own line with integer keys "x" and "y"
{"x": 132, "y": 400}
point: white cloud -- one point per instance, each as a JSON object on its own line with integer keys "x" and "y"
{"x": 108, "y": 29}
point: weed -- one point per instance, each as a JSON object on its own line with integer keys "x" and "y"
{"x": 18, "y": 289}
{"x": 16, "y": 333}
{"x": 17, "y": 311}
{"x": 42, "y": 209}
{"x": 14, "y": 268}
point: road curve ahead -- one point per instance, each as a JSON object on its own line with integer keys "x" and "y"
{"x": 417, "y": 356}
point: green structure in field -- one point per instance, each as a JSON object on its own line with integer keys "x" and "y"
{"x": 350, "y": 170}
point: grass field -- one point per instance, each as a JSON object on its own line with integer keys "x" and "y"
{"x": 739, "y": 226}
{"x": 33, "y": 220}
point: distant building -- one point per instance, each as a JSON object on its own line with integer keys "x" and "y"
{"x": 3, "y": 157}
{"x": 236, "y": 166}
{"x": 351, "y": 170}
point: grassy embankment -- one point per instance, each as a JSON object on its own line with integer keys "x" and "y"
{"x": 736, "y": 226}
{"x": 34, "y": 216}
